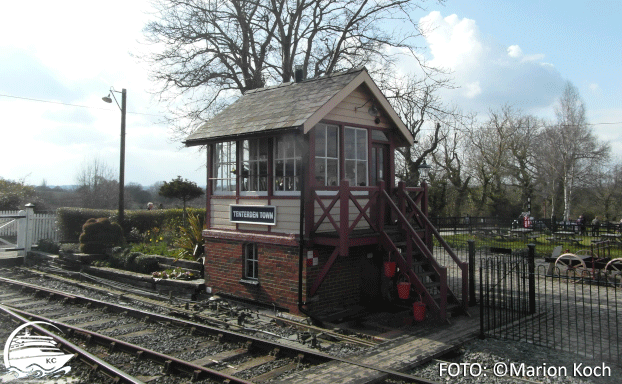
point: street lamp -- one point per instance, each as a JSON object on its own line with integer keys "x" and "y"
{"x": 123, "y": 109}
{"x": 424, "y": 170}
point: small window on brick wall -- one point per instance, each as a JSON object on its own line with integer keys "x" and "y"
{"x": 251, "y": 262}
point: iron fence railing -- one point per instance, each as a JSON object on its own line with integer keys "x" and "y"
{"x": 563, "y": 310}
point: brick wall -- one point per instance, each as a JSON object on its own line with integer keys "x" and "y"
{"x": 347, "y": 283}
{"x": 277, "y": 268}
{"x": 352, "y": 280}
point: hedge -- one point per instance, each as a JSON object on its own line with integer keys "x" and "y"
{"x": 122, "y": 258}
{"x": 70, "y": 220}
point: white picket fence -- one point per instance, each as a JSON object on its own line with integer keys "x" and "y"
{"x": 36, "y": 225}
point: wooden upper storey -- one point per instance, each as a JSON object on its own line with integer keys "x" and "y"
{"x": 258, "y": 145}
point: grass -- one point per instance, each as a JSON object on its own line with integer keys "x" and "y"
{"x": 544, "y": 247}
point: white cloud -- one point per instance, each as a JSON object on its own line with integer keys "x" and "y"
{"x": 472, "y": 90}
{"x": 488, "y": 73}
{"x": 515, "y": 51}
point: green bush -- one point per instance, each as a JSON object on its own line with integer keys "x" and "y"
{"x": 118, "y": 257}
{"x": 49, "y": 246}
{"x": 99, "y": 234}
{"x": 146, "y": 264}
{"x": 70, "y": 220}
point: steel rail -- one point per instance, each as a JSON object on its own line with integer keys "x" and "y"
{"x": 232, "y": 336}
{"x": 93, "y": 361}
{"x": 169, "y": 362}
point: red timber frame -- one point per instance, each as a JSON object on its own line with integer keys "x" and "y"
{"x": 408, "y": 208}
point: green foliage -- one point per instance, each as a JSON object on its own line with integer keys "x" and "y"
{"x": 146, "y": 264}
{"x": 99, "y": 234}
{"x": 118, "y": 257}
{"x": 189, "y": 237}
{"x": 126, "y": 259}
{"x": 15, "y": 194}
{"x": 70, "y": 220}
{"x": 181, "y": 189}
{"x": 48, "y": 245}
{"x": 161, "y": 249}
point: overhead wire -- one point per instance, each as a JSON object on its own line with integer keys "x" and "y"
{"x": 74, "y": 105}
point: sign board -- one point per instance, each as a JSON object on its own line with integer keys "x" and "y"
{"x": 253, "y": 214}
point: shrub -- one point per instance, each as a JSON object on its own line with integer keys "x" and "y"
{"x": 146, "y": 264}
{"x": 118, "y": 257}
{"x": 70, "y": 220}
{"x": 99, "y": 234}
{"x": 47, "y": 245}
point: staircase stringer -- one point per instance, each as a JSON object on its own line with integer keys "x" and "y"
{"x": 414, "y": 278}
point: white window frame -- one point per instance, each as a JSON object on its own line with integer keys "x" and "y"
{"x": 254, "y": 162}
{"x": 323, "y": 160}
{"x": 251, "y": 257}
{"x": 358, "y": 155}
{"x": 296, "y": 159}
{"x": 225, "y": 166}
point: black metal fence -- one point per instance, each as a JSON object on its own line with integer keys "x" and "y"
{"x": 569, "y": 310}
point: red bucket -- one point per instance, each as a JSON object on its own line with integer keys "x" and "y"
{"x": 419, "y": 310}
{"x": 389, "y": 268}
{"x": 403, "y": 288}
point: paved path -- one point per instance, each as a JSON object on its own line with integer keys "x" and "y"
{"x": 421, "y": 343}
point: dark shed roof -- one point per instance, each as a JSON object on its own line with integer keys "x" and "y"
{"x": 289, "y": 105}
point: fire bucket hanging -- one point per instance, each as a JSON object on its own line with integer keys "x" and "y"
{"x": 403, "y": 286}
{"x": 419, "y": 310}
{"x": 389, "y": 268}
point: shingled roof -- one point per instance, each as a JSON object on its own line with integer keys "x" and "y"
{"x": 289, "y": 105}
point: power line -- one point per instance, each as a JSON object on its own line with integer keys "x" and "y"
{"x": 73, "y": 105}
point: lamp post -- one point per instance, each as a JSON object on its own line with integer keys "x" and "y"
{"x": 123, "y": 109}
{"x": 424, "y": 171}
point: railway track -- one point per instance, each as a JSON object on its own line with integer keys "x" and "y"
{"x": 152, "y": 346}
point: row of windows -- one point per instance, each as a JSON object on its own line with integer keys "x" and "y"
{"x": 253, "y": 170}
{"x": 252, "y": 173}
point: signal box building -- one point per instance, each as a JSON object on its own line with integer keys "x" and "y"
{"x": 303, "y": 212}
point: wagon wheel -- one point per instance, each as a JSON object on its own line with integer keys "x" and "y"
{"x": 571, "y": 265}
{"x": 613, "y": 270}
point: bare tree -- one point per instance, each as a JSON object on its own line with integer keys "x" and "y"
{"x": 416, "y": 100}
{"x": 96, "y": 185}
{"x": 215, "y": 50}
{"x": 570, "y": 148}
{"x": 502, "y": 159}
{"x": 451, "y": 158}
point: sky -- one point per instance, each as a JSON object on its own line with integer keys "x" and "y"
{"x": 58, "y": 59}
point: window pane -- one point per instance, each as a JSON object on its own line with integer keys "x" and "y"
{"x": 351, "y": 171}
{"x": 320, "y": 171}
{"x": 332, "y": 172}
{"x": 320, "y": 140}
{"x": 287, "y": 156}
{"x": 224, "y": 166}
{"x": 361, "y": 173}
{"x": 332, "y": 137}
{"x": 361, "y": 144}
{"x": 349, "y": 143}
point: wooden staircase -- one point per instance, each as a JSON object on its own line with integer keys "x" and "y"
{"x": 410, "y": 244}
{"x": 423, "y": 275}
